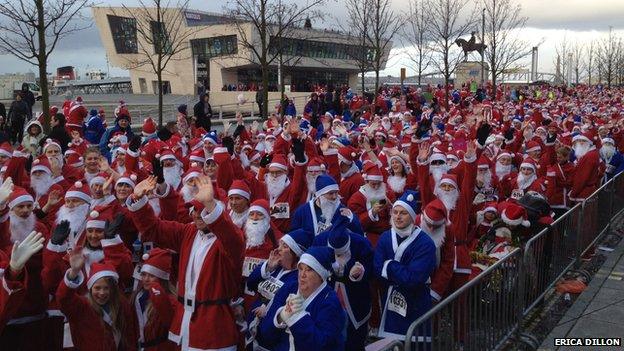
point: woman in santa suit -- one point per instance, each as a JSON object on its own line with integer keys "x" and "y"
{"x": 153, "y": 302}
{"x": 102, "y": 319}
{"x": 400, "y": 177}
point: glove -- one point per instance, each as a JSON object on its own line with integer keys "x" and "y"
{"x": 546, "y": 122}
{"x": 157, "y": 170}
{"x": 111, "y": 228}
{"x": 298, "y": 150}
{"x": 23, "y": 251}
{"x": 28, "y": 165}
{"x": 228, "y": 142}
{"x": 294, "y": 304}
{"x": 135, "y": 143}
{"x": 551, "y": 138}
{"x": 266, "y": 160}
{"x": 238, "y": 131}
{"x": 482, "y": 133}
{"x": 5, "y": 190}
{"x": 61, "y": 232}
{"x": 509, "y": 134}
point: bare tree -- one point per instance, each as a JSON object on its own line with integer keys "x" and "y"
{"x": 416, "y": 33}
{"x": 577, "y": 61}
{"x": 446, "y": 25}
{"x": 358, "y": 27}
{"x": 589, "y": 61}
{"x": 272, "y": 21}
{"x": 503, "y": 25}
{"x": 384, "y": 26}
{"x": 607, "y": 55}
{"x": 562, "y": 51}
{"x": 162, "y": 37}
{"x": 30, "y": 31}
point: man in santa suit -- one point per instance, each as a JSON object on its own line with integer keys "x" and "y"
{"x": 613, "y": 159}
{"x": 12, "y": 164}
{"x": 61, "y": 173}
{"x": 239, "y": 196}
{"x": 210, "y": 249}
{"x": 483, "y": 224}
{"x": 315, "y": 168}
{"x": 26, "y": 330}
{"x": 75, "y": 210}
{"x": 325, "y": 211}
{"x": 372, "y": 203}
{"x": 284, "y": 196}
{"x": 42, "y": 184}
{"x": 433, "y": 222}
{"x": 101, "y": 188}
{"x": 172, "y": 169}
{"x": 515, "y": 186}
{"x": 504, "y": 165}
{"x": 558, "y": 181}
{"x": 541, "y": 158}
{"x": 260, "y": 236}
{"x": 342, "y": 166}
{"x": 486, "y": 184}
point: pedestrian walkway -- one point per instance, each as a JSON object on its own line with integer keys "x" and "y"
{"x": 599, "y": 310}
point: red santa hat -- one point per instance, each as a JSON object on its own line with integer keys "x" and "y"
{"x": 450, "y": 179}
{"x": 79, "y": 190}
{"x": 100, "y": 178}
{"x": 400, "y": 160}
{"x": 157, "y": 263}
{"x": 73, "y": 158}
{"x": 198, "y": 155}
{"x": 195, "y": 171}
{"x": 279, "y": 161}
{"x": 528, "y": 162}
{"x": 6, "y": 149}
{"x": 240, "y": 188}
{"x": 587, "y": 136}
{"x": 96, "y": 220}
{"x": 452, "y": 154}
{"x": 316, "y": 164}
{"x": 372, "y": 172}
{"x": 41, "y": 164}
{"x": 483, "y": 162}
{"x": 514, "y": 214}
{"x": 50, "y": 142}
{"x": 347, "y": 154}
{"x": 101, "y": 270}
{"x": 18, "y": 196}
{"x": 127, "y": 178}
{"x": 490, "y": 207}
{"x": 166, "y": 154}
{"x": 533, "y": 146}
{"x": 77, "y": 114}
{"x": 435, "y": 212}
{"x": 503, "y": 154}
{"x": 262, "y": 206}
{"x": 437, "y": 156}
{"x": 149, "y": 127}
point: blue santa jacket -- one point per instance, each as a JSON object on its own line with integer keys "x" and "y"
{"x": 615, "y": 166}
{"x": 403, "y": 271}
{"x": 358, "y": 299}
{"x": 319, "y": 328}
{"x": 94, "y": 130}
{"x": 305, "y": 217}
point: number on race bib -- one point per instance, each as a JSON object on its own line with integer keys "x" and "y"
{"x": 269, "y": 287}
{"x": 250, "y": 264}
{"x": 517, "y": 194}
{"x": 397, "y": 303}
{"x": 280, "y": 210}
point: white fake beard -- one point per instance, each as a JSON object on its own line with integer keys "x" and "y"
{"x": 20, "y": 227}
{"x": 268, "y": 146}
{"x": 311, "y": 179}
{"x": 255, "y": 169}
{"x": 581, "y": 150}
{"x": 88, "y": 176}
{"x": 524, "y": 181}
{"x": 121, "y": 169}
{"x": 448, "y": 198}
{"x": 41, "y": 185}
{"x": 405, "y": 232}
{"x": 502, "y": 170}
{"x": 374, "y": 194}
{"x": 397, "y": 183}
{"x": 255, "y": 232}
{"x": 239, "y": 218}
{"x": 76, "y": 216}
{"x": 437, "y": 172}
{"x": 172, "y": 175}
{"x": 484, "y": 179}
{"x": 386, "y": 125}
{"x": 188, "y": 192}
{"x": 606, "y": 152}
{"x": 58, "y": 158}
{"x": 276, "y": 186}
{"x": 328, "y": 208}
{"x": 438, "y": 236}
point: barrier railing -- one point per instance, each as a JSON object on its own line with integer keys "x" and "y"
{"x": 486, "y": 312}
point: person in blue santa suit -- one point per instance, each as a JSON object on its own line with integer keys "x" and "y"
{"x": 306, "y": 315}
{"x": 266, "y": 279}
{"x": 613, "y": 159}
{"x": 405, "y": 258}
{"x": 351, "y": 273}
{"x": 320, "y": 213}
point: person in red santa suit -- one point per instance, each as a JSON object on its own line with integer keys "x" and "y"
{"x": 515, "y": 186}
{"x": 587, "y": 177}
{"x": 342, "y": 166}
{"x": 62, "y": 173}
{"x": 484, "y": 219}
{"x": 42, "y": 184}
{"x": 210, "y": 249}
{"x": 504, "y": 165}
{"x": 103, "y": 318}
{"x": 26, "y": 329}
{"x": 13, "y": 164}
{"x": 75, "y": 210}
{"x": 172, "y": 169}
{"x": 559, "y": 180}
{"x": 400, "y": 176}
{"x": 541, "y": 158}
{"x": 153, "y": 302}
{"x": 239, "y": 196}
{"x": 433, "y": 222}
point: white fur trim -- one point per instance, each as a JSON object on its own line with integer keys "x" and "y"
{"x": 153, "y": 270}
{"x": 292, "y": 244}
{"x": 18, "y": 200}
{"x": 313, "y": 263}
{"x": 73, "y": 285}
{"x": 259, "y": 209}
{"x": 406, "y": 206}
{"x": 239, "y": 192}
{"x": 325, "y": 190}
{"x": 101, "y": 274}
{"x": 211, "y": 217}
{"x": 95, "y": 224}
{"x": 111, "y": 242}
{"x": 515, "y": 222}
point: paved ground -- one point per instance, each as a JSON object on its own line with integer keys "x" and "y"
{"x": 598, "y": 311}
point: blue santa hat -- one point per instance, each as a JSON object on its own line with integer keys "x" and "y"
{"x": 93, "y": 112}
{"x": 339, "y": 240}
{"x": 305, "y": 126}
{"x": 409, "y": 201}
{"x": 298, "y": 241}
{"x": 212, "y": 138}
{"x": 324, "y": 184}
{"x": 319, "y": 258}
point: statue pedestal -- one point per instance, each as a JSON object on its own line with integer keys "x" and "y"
{"x": 469, "y": 71}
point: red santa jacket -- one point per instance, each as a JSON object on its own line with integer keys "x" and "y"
{"x": 217, "y": 283}
{"x": 347, "y": 186}
{"x": 372, "y": 226}
{"x": 587, "y": 177}
{"x": 12, "y": 294}
{"x": 443, "y": 273}
{"x": 558, "y": 182}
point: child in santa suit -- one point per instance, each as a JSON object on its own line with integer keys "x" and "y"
{"x": 102, "y": 319}
{"x": 153, "y": 302}
{"x": 483, "y": 224}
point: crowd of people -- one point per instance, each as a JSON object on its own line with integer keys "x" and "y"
{"x": 310, "y": 232}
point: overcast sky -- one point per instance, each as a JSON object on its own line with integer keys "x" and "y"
{"x": 549, "y": 20}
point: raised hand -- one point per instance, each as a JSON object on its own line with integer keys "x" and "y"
{"x": 146, "y": 186}
{"x": 106, "y": 187}
{"x": 111, "y": 228}
{"x": 356, "y": 271}
{"x": 61, "y": 232}
{"x": 205, "y": 193}
{"x": 103, "y": 164}
{"x": 471, "y": 150}
{"x": 53, "y": 198}
{"x": 424, "y": 151}
{"x": 5, "y": 190}
{"x": 274, "y": 259}
{"x": 226, "y": 127}
{"x": 23, "y": 251}
{"x": 76, "y": 263}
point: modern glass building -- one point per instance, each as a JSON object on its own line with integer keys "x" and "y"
{"x": 216, "y": 58}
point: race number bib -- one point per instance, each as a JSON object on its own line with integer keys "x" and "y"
{"x": 269, "y": 287}
{"x": 322, "y": 226}
{"x": 250, "y": 264}
{"x": 517, "y": 194}
{"x": 280, "y": 210}
{"x": 397, "y": 303}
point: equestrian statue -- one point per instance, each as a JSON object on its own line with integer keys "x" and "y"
{"x": 470, "y": 45}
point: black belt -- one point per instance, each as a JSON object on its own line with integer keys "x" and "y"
{"x": 188, "y": 302}
{"x": 154, "y": 342}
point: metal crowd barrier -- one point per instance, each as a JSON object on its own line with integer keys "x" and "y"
{"x": 486, "y": 312}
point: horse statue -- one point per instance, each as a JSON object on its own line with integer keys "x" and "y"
{"x": 470, "y": 45}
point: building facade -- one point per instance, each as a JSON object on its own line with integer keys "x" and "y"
{"x": 215, "y": 57}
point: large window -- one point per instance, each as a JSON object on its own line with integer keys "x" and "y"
{"x": 206, "y": 48}
{"x": 160, "y": 38}
{"x": 318, "y": 49}
{"x": 124, "y": 31}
